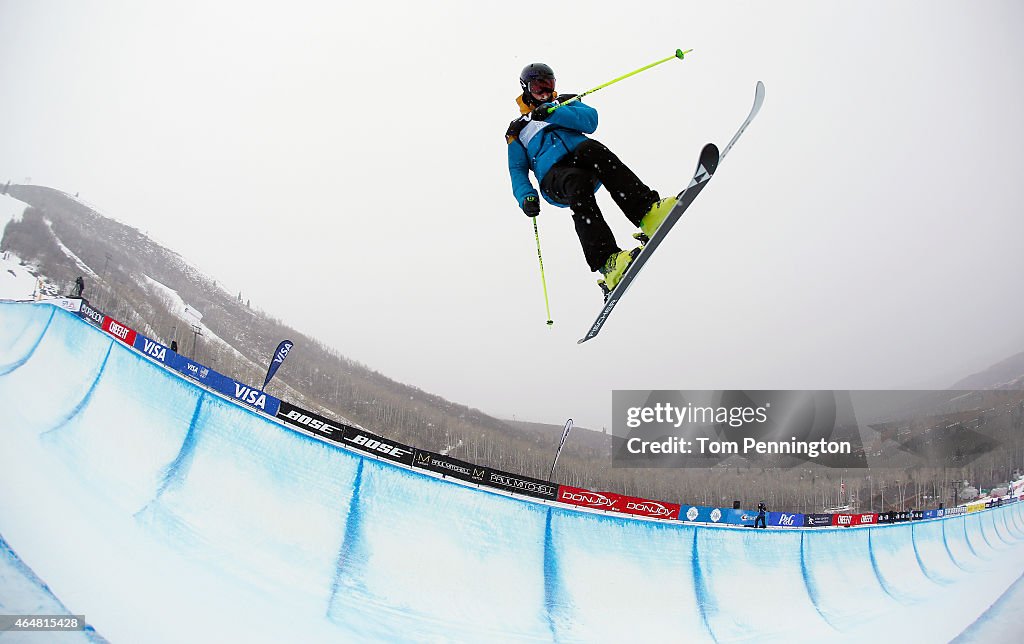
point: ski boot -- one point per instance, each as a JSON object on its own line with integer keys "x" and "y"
{"x": 615, "y": 267}
{"x": 652, "y": 220}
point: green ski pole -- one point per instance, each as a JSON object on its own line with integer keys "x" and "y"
{"x": 679, "y": 54}
{"x": 536, "y": 234}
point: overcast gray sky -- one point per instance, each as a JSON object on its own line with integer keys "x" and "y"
{"x": 343, "y": 165}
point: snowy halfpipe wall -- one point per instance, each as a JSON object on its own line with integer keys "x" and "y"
{"x": 163, "y": 511}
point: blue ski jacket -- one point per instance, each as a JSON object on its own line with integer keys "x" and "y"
{"x": 538, "y": 145}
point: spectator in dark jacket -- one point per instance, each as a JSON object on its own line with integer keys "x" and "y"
{"x": 761, "y": 509}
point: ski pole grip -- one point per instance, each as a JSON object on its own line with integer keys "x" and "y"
{"x": 679, "y": 54}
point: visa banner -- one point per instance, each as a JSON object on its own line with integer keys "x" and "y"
{"x": 231, "y": 388}
{"x": 251, "y": 396}
{"x": 155, "y": 350}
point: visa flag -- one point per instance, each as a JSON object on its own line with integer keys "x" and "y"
{"x": 279, "y": 356}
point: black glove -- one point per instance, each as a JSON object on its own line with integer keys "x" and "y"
{"x": 541, "y": 113}
{"x": 531, "y": 206}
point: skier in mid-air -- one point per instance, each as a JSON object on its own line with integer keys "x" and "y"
{"x": 570, "y": 167}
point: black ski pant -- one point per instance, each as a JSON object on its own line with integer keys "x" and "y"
{"x": 571, "y": 181}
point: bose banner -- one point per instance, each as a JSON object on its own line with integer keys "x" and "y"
{"x": 378, "y": 445}
{"x": 347, "y": 435}
{"x": 310, "y": 422}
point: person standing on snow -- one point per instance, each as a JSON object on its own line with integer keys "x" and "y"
{"x": 570, "y": 167}
{"x": 761, "y": 509}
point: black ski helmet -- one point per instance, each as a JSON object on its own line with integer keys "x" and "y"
{"x": 532, "y": 72}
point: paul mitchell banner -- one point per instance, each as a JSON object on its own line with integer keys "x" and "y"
{"x": 279, "y": 356}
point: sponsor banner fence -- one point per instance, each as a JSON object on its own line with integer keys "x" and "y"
{"x": 341, "y": 433}
{"x": 448, "y": 466}
{"x": 72, "y": 304}
{"x": 587, "y": 498}
{"x": 201, "y": 373}
{"x": 155, "y": 350}
{"x": 650, "y": 508}
{"x": 785, "y": 519}
{"x": 865, "y": 519}
{"x": 240, "y": 391}
{"x": 120, "y": 331}
{"x": 817, "y": 520}
{"x": 853, "y": 520}
{"x": 842, "y": 520}
{"x": 91, "y": 315}
{"x": 611, "y": 502}
{"x": 521, "y": 484}
{"x": 738, "y": 517}
{"x": 313, "y": 423}
{"x": 378, "y": 445}
{"x": 697, "y": 513}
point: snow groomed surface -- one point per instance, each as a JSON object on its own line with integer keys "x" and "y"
{"x": 164, "y": 511}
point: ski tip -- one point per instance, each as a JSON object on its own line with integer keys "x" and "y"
{"x": 709, "y": 157}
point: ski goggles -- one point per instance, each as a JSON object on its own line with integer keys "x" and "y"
{"x": 542, "y": 86}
